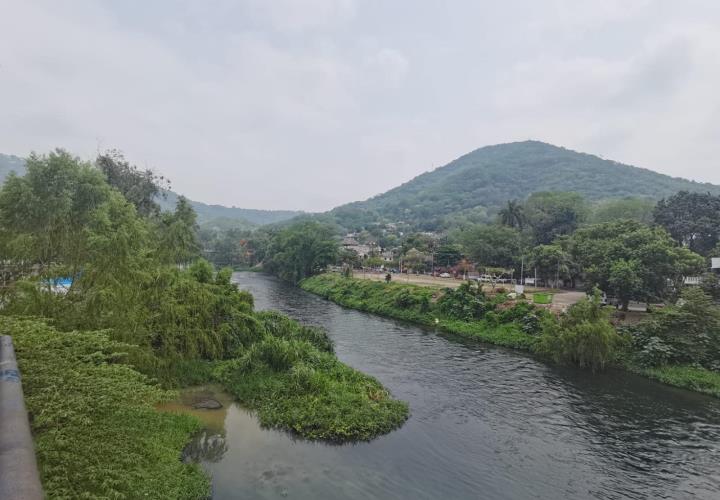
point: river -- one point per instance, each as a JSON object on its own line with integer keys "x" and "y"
{"x": 486, "y": 423}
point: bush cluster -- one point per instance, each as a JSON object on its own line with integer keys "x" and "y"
{"x": 687, "y": 333}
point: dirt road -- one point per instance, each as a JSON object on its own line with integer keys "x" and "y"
{"x": 562, "y": 299}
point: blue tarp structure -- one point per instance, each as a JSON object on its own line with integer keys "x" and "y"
{"x": 59, "y": 284}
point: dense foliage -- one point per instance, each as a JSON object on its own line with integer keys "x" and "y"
{"x": 96, "y": 431}
{"x": 294, "y": 382}
{"x": 633, "y": 208}
{"x": 492, "y": 245}
{"x": 301, "y": 250}
{"x": 632, "y": 261}
{"x": 685, "y": 333}
{"x": 583, "y": 336}
{"x": 691, "y": 219}
{"x": 553, "y": 214}
{"x": 137, "y": 278}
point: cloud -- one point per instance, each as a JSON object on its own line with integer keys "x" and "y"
{"x": 310, "y": 104}
{"x": 389, "y": 66}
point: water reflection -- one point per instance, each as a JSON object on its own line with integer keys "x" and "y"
{"x": 206, "y": 446}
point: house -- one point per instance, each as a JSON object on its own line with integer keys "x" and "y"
{"x": 350, "y": 243}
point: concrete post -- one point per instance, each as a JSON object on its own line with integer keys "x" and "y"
{"x": 19, "y": 477}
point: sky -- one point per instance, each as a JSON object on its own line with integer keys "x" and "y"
{"x": 308, "y": 104}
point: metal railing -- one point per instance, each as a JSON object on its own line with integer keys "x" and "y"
{"x": 19, "y": 477}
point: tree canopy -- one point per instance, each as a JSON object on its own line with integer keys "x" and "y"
{"x": 492, "y": 245}
{"x": 692, "y": 219}
{"x": 632, "y": 261}
{"x": 301, "y": 250}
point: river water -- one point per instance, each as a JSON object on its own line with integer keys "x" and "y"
{"x": 486, "y": 423}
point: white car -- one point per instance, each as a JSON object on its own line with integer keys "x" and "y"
{"x": 445, "y": 275}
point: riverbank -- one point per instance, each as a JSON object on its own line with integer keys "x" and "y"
{"x": 417, "y": 304}
{"x": 97, "y": 433}
{"x": 95, "y": 419}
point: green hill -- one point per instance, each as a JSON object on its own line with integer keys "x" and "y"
{"x": 220, "y": 215}
{"x": 477, "y": 184}
{"x": 252, "y": 216}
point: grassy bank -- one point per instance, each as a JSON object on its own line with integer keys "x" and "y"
{"x": 693, "y": 378}
{"x": 502, "y": 326}
{"x": 294, "y": 382}
{"x": 417, "y": 304}
{"x": 97, "y": 434}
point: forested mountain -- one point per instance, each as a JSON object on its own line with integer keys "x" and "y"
{"x": 477, "y": 184}
{"x": 249, "y": 216}
{"x": 244, "y": 217}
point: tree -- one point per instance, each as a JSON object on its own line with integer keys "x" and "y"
{"x": 551, "y": 262}
{"x": 178, "y": 234}
{"x": 44, "y": 215}
{"x": 301, "y": 250}
{"x": 448, "y": 255}
{"x": 692, "y": 219}
{"x": 687, "y": 332}
{"x": 553, "y": 214}
{"x": 139, "y": 187}
{"x": 624, "y": 280}
{"x": 632, "y": 260}
{"x": 513, "y": 215}
{"x": 496, "y": 246}
{"x": 349, "y": 257}
{"x": 583, "y": 336}
{"x": 415, "y": 260}
{"x": 421, "y": 242}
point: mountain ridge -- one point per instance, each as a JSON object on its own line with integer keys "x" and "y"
{"x": 478, "y": 183}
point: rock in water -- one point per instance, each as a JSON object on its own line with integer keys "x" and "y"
{"x": 207, "y": 404}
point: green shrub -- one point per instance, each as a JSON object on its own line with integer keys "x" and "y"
{"x": 583, "y": 336}
{"x": 282, "y": 326}
{"x": 467, "y": 302}
{"x": 686, "y": 333}
{"x": 97, "y": 434}
{"x": 202, "y": 271}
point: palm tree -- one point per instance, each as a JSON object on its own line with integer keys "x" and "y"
{"x": 513, "y": 215}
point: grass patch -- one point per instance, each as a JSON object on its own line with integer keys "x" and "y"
{"x": 97, "y": 434}
{"x": 687, "y": 377}
{"x": 506, "y": 335}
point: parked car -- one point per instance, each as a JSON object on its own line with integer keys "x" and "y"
{"x": 445, "y": 275}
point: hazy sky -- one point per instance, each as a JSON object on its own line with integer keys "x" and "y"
{"x": 310, "y": 104}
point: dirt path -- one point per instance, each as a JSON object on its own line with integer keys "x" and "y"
{"x": 562, "y": 299}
